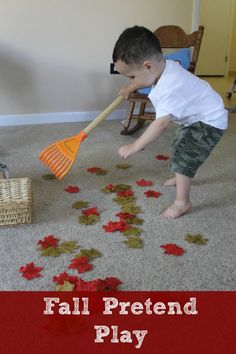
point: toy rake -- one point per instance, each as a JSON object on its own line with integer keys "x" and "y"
{"x": 60, "y": 156}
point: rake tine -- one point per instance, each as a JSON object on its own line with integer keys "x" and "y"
{"x": 53, "y": 163}
{"x": 63, "y": 167}
{"x": 63, "y": 172}
{"x": 47, "y": 152}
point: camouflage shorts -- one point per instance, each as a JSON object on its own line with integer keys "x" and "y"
{"x": 191, "y": 146}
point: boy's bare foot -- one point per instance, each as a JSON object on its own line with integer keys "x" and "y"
{"x": 2, "y": 176}
{"x": 170, "y": 182}
{"x": 175, "y": 210}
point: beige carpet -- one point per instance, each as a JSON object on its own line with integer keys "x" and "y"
{"x": 205, "y": 267}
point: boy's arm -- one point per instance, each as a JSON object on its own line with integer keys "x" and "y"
{"x": 126, "y": 90}
{"x": 154, "y": 130}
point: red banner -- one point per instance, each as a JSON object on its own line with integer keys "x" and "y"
{"x": 118, "y": 322}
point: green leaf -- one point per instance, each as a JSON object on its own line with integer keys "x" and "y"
{"x": 101, "y": 172}
{"x": 67, "y": 286}
{"x": 68, "y": 246}
{"x": 131, "y": 209}
{"x": 134, "y": 221}
{"x": 80, "y": 204}
{"x": 121, "y": 187}
{"x": 197, "y": 239}
{"x": 90, "y": 253}
{"x": 50, "y": 252}
{"x": 48, "y": 177}
{"x": 134, "y": 242}
{"x": 133, "y": 231}
{"x": 124, "y": 200}
{"x": 89, "y": 219}
{"x": 123, "y": 166}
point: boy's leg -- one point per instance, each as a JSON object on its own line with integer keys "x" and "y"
{"x": 182, "y": 203}
{"x": 170, "y": 182}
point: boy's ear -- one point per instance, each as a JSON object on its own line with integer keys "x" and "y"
{"x": 148, "y": 64}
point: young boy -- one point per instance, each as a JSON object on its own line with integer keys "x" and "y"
{"x": 177, "y": 96}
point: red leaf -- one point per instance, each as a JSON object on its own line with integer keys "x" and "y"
{"x": 109, "y": 283}
{"x": 127, "y": 193}
{"x": 162, "y": 157}
{"x": 110, "y": 187}
{"x": 153, "y": 194}
{"x": 124, "y": 216}
{"x": 30, "y": 271}
{"x": 144, "y": 183}
{"x": 81, "y": 264}
{"x": 172, "y": 248}
{"x": 116, "y": 226}
{"x": 94, "y": 169}
{"x": 64, "y": 277}
{"x": 91, "y": 211}
{"x": 72, "y": 189}
{"x": 83, "y": 285}
{"x": 48, "y": 241}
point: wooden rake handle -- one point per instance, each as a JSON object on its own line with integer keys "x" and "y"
{"x": 102, "y": 116}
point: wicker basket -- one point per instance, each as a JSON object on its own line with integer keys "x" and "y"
{"x": 15, "y": 201}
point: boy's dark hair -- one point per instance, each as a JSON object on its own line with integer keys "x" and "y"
{"x": 135, "y": 45}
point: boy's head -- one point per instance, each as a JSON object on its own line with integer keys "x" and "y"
{"x": 135, "y": 45}
{"x": 137, "y": 54}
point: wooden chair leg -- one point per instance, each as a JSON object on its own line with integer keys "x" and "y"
{"x": 140, "y": 122}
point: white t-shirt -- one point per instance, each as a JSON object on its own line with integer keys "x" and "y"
{"x": 187, "y": 98}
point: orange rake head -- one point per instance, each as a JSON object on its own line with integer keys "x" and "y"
{"x": 60, "y": 156}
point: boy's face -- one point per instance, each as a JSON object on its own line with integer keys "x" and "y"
{"x": 140, "y": 75}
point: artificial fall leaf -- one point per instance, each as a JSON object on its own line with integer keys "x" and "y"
{"x": 172, "y": 248}
{"x": 135, "y": 221}
{"x": 97, "y": 170}
{"x": 134, "y": 242}
{"x": 124, "y": 200}
{"x": 89, "y": 219}
{"x": 133, "y": 231}
{"x": 108, "y": 189}
{"x": 80, "y": 204}
{"x": 113, "y": 226}
{"x": 131, "y": 209}
{"x": 126, "y": 193}
{"x": 62, "y": 277}
{"x": 102, "y": 172}
{"x": 66, "y": 286}
{"x": 68, "y": 246}
{"x": 123, "y": 166}
{"x": 48, "y": 241}
{"x": 125, "y": 216}
{"x": 91, "y": 211}
{"x": 83, "y": 285}
{"x": 152, "y": 194}
{"x": 72, "y": 189}
{"x": 48, "y": 177}
{"x": 93, "y": 169}
{"x": 162, "y": 157}
{"x": 81, "y": 264}
{"x": 50, "y": 252}
{"x": 109, "y": 283}
{"x": 121, "y": 187}
{"x": 197, "y": 239}
{"x": 90, "y": 253}
{"x": 30, "y": 271}
{"x": 144, "y": 183}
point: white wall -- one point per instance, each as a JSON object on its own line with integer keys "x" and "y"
{"x": 55, "y": 54}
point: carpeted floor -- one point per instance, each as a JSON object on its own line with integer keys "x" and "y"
{"x": 204, "y": 267}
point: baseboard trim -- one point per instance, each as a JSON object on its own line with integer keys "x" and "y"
{"x": 56, "y": 117}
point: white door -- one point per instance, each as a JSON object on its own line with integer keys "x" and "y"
{"x": 215, "y": 16}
